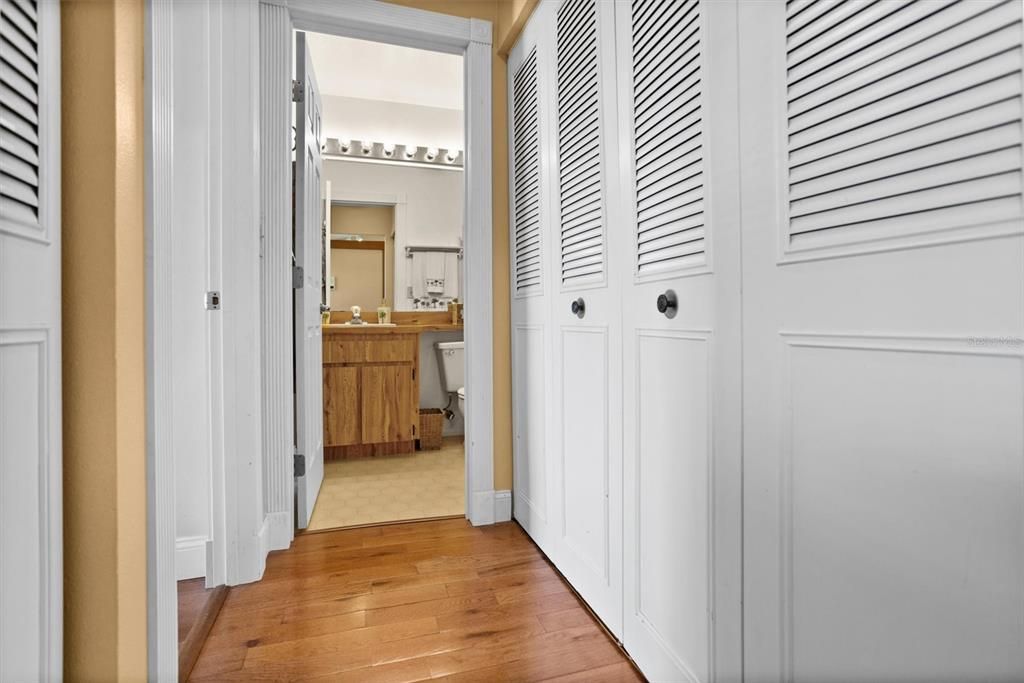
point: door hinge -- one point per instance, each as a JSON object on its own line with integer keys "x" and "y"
{"x": 300, "y": 465}
{"x": 296, "y": 91}
{"x": 414, "y": 374}
{"x": 297, "y": 277}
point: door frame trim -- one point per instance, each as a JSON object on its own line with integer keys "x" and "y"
{"x": 394, "y": 24}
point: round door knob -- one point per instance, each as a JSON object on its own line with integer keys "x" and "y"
{"x": 579, "y": 307}
{"x": 668, "y": 304}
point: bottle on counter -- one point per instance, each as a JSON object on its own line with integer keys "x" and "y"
{"x": 383, "y": 313}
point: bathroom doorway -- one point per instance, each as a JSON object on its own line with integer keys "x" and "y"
{"x": 394, "y": 352}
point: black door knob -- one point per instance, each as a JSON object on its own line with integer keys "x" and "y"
{"x": 579, "y": 307}
{"x": 667, "y": 304}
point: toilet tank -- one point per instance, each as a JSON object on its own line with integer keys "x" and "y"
{"x": 451, "y": 358}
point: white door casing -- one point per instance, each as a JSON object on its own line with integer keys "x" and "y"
{"x": 586, "y": 322}
{"x": 309, "y": 432}
{"x": 681, "y": 335}
{"x": 530, "y": 102}
{"x": 31, "y": 576}
{"x": 883, "y": 271}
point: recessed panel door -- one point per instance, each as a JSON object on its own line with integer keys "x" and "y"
{"x": 308, "y": 256}
{"x": 680, "y": 311}
{"x": 586, "y": 308}
{"x": 883, "y": 285}
{"x": 532, "y": 236}
{"x": 31, "y": 577}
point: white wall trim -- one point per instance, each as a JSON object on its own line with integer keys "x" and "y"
{"x": 275, "y": 282}
{"x": 280, "y": 527}
{"x": 386, "y": 22}
{"x": 502, "y": 506}
{"x": 492, "y": 507}
{"x": 238, "y": 211}
{"x": 190, "y": 557}
{"x": 161, "y": 583}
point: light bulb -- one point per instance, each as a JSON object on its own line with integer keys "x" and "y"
{"x": 450, "y": 157}
{"x": 345, "y": 146}
{"x": 431, "y": 153}
{"x": 367, "y": 147}
{"x": 410, "y": 151}
{"x": 389, "y": 150}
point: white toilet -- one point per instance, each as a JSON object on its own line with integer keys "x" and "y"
{"x": 451, "y": 359}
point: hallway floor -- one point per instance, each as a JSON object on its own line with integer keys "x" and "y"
{"x": 392, "y": 488}
{"x": 437, "y": 600}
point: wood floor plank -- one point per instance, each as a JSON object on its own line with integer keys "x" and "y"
{"x": 438, "y": 600}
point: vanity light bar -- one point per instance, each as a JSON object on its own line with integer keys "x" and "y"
{"x": 380, "y": 151}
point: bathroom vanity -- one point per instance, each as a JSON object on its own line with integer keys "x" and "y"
{"x": 371, "y": 390}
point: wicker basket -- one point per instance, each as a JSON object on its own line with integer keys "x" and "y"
{"x": 431, "y": 422}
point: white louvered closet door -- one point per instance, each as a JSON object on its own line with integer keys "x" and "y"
{"x": 586, "y": 308}
{"x": 681, "y": 353}
{"x": 31, "y": 577}
{"x": 883, "y": 285}
{"x": 531, "y": 105}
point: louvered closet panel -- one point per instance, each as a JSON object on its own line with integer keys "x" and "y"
{"x": 526, "y": 178}
{"x": 903, "y": 117}
{"x": 579, "y": 144}
{"x": 19, "y": 116}
{"x": 667, "y": 134}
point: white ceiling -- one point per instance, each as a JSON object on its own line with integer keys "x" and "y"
{"x": 376, "y": 71}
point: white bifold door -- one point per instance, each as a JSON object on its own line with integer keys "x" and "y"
{"x": 680, "y": 301}
{"x": 31, "y": 576}
{"x": 309, "y": 226}
{"x": 625, "y": 318}
{"x": 768, "y": 331}
{"x": 883, "y": 298}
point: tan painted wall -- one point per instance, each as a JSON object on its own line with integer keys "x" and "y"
{"x": 103, "y": 337}
{"x": 507, "y": 16}
{"x": 369, "y": 220}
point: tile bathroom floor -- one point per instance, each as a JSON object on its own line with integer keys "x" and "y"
{"x": 392, "y": 488}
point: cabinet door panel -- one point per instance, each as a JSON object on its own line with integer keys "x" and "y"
{"x": 387, "y": 403}
{"x": 341, "y": 406}
{"x": 392, "y": 348}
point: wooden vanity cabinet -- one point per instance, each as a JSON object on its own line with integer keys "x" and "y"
{"x": 371, "y": 393}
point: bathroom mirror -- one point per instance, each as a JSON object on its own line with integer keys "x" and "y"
{"x": 398, "y": 241}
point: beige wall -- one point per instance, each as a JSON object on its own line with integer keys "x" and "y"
{"x": 104, "y": 328}
{"x": 359, "y": 280}
{"x": 369, "y": 220}
{"x": 508, "y": 17}
{"x": 103, "y": 339}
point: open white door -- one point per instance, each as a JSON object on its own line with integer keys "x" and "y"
{"x": 883, "y": 286}
{"x": 681, "y": 338}
{"x": 30, "y": 344}
{"x": 309, "y": 221}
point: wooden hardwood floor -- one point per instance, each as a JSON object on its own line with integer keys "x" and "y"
{"x": 437, "y": 600}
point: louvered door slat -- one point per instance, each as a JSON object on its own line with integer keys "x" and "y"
{"x": 579, "y": 159}
{"x": 526, "y": 162}
{"x": 19, "y": 113}
{"x": 928, "y": 18}
{"x": 918, "y": 55}
{"x": 668, "y": 150}
{"x": 886, "y": 29}
{"x": 910, "y": 131}
{"x": 944, "y": 74}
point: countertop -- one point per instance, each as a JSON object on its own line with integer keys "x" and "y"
{"x": 390, "y": 329}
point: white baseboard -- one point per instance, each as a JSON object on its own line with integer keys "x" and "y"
{"x": 279, "y": 530}
{"x": 490, "y": 507}
{"x": 190, "y": 557}
{"x": 502, "y": 506}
